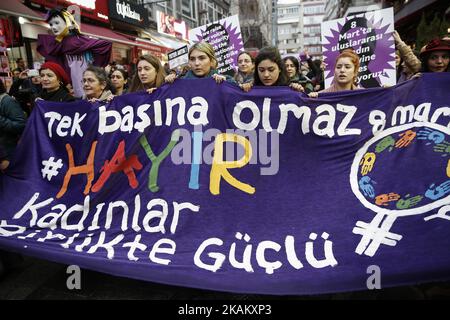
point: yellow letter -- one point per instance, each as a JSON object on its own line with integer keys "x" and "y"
{"x": 220, "y": 168}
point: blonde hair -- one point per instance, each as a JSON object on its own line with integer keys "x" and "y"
{"x": 136, "y": 84}
{"x": 206, "y": 48}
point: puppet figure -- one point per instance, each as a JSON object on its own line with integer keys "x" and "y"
{"x": 72, "y": 50}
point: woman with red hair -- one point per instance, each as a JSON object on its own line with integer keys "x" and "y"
{"x": 345, "y": 73}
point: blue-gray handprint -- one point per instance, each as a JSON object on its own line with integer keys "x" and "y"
{"x": 432, "y": 136}
{"x": 365, "y": 184}
{"x": 438, "y": 192}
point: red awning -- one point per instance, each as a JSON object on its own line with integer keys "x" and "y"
{"x": 16, "y": 8}
{"x": 104, "y": 33}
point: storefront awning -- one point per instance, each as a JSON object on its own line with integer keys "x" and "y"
{"x": 17, "y": 9}
{"x": 104, "y": 33}
{"x": 412, "y": 8}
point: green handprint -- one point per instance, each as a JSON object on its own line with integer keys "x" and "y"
{"x": 387, "y": 142}
{"x": 408, "y": 202}
{"x": 443, "y": 147}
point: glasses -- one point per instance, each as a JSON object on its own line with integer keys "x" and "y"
{"x": 88, "y": 80}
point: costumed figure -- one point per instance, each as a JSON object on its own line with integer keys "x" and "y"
{"x": 72, "y": 50}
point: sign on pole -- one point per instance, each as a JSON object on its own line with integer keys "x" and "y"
{"x": 370, "y": 36}
{"x": 178, "y": 57}
{"x": 225, "y": 36}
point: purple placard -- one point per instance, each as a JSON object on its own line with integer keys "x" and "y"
{"x": 370, "y": 36}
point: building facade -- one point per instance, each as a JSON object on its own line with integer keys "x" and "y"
{"x": 289, "y": 26}
{"x": 298, "y": 24}
{"x": 313, "y": 13}
{"x": 255, "y": 18}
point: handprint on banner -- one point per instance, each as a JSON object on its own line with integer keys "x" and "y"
{"x": 383, "y": 199}
{"x": 430, "y": 135}
{"x": 387, "y": 142}
{"x": 406, "y": 138}
{"x": 434, "y": 200}
{"x": 408, "y": 202}
{"x": 438, "y": 192}
{"x": 367, "y": 163}
{"x": 443, "y": 147}
{"x": 365, "y": 184}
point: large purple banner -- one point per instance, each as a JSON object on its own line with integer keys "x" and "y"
{"x": 203, "y": 185}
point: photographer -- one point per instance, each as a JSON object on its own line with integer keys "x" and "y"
{"x": 25, "y": 88}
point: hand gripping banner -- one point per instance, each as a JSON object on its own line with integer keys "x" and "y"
{"x": 203, "y": 185}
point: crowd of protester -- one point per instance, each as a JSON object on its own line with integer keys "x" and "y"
{"x": 268, "y": 68}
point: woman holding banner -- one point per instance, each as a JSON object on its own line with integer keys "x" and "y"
{"x": 149, "y": 74}
{"x": 271, "y": 71}
{"x": 345, "y": 73}
{"x": 96, "y": 84}
{"x": 203, "y": 64}
{"x": 246, "y": 68}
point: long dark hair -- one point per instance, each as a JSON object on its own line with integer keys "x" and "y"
{"x": 272, "y": 54}
{"x": 295, "y": 62}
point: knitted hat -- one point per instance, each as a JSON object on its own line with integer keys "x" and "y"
{"x": 58, "y": 70}
{"x": 435, "y": 45}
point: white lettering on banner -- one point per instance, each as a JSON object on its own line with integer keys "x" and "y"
{"x": 217, "y": 258}
{"x": 124, "y": 10}
{"x": 106, "y": 243}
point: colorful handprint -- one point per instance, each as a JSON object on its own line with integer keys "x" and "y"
{"x": 406, "y": 138}
{"x": 367, "y": 163}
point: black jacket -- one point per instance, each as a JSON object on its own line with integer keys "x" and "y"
{"x": 60, "y": 95}
{"x": 12, "y": 123}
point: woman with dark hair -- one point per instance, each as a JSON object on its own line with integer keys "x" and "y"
{"x": 149, "y": 74}
{"x": 345, "y": 73}
{"x": 54, "y": 81}
{"x": 292, "y": 69}
{"x": 270, "y": 70}
{"x": 119, "y": 79}
{"x": 12, "y": 123}
{"x": 96, "y": 84}
{"x": 435, "y": 56}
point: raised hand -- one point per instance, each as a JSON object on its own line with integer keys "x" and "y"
{"x": 430, "y": 135}
{"x": 365, "y": 184}
{"x": 386, "y": 142}
{"x": 367, "y": 163}
{"x": 407, "y": 138}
